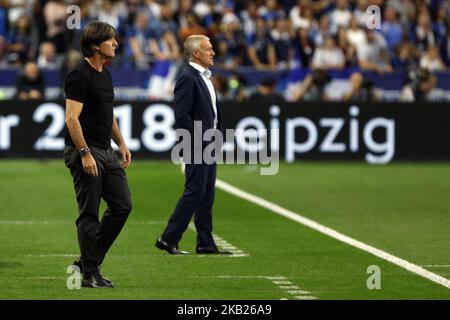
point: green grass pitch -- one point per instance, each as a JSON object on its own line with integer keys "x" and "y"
{"x": 401, "y": 208}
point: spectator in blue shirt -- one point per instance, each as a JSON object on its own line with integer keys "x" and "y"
{"x": 391, "y": 29}
{"x": 281, "y": 38}
{"x": 271, "y": 12}
{"x": 167, "y": 20}
{"x": 423, "y": 32}
{"x": 3, "y": 20}
{"x": 405, "y": 57}
{"x": 20, "y": 41}
{"x": 230, "y": 44}
{"x": 440, "y": 25}
{"x": 138, "y": 42}
{"x": 260, "y": 51}
{"x": 303, "y": 48}
{"x": 445, "y": 46}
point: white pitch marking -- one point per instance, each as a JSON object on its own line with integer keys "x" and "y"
{"x": 436, "y": 266}
{"x": 238, "y": 277}
{"x": 63, "y": 255}
{"x": 282, "y": 282}
{"x": 32, "y": 222}
{"x": 223, "y": 244}
{"x": 276, "y": 278}
{"x": 238, "y": 255}
{"x": 294, "y": 292}
{"x": 45, "y": 278}
{"x": 332, "y": 233}
{"x": 305, "y": 297}
{"x": 288, "y": 284}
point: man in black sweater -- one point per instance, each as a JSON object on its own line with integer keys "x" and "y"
{"x": 97, "y": 170}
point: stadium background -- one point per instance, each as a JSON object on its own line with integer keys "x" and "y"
{"x": 314, "y": 61}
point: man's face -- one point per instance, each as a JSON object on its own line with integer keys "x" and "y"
{"x": 329, "y": 43}
{"x": 205, "y": 54}
{"x": 108, "y": 48}
{"x": 31, "y": 71}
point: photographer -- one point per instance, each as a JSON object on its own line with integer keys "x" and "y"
{"x": 419, "y": 86}
{"x": 30, "y": 84}
{"x": 313, "y": 87}
{"x": 362, "y": 89}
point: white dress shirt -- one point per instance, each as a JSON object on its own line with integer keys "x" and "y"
{"x": 206, "y": 76}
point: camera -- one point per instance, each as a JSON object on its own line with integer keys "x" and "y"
{"x": 415, "y": 77}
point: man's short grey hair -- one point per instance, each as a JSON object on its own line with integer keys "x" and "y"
{"x": 192, "y": 43}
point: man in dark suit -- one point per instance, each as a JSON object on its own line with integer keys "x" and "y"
{"x": 195, "y": 100}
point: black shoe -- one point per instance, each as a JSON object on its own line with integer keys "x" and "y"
{"x": 210, "y": 250}
{"x": 96, "y": 281}
{"x": 162, "y": 245}
{"x": 78, "y": 264}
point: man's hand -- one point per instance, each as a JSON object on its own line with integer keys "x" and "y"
{"x": 126, "y": 156}
{"x": 89, "y": 165}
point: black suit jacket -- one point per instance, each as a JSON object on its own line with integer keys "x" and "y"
{"x": 192, "y": 102}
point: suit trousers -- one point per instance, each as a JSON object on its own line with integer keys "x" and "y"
{"x": 198, "y": 199}
{"x": 96, "y": 237}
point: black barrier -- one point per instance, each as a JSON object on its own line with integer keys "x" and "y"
{"x": 376, "y": 133}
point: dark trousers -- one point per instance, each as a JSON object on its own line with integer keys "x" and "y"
{"x": 198, "y": 198}
{"x": 94, "y": 237}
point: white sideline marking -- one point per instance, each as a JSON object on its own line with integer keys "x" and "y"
{"x": 332, "y": 233}
{"x": 293, "y": 292}
{"x": 31, "y": 222}
{"x": 289, "y": 287}
{"x": 63, "y": 255}
{"x": 223, "y": 244}
{"x": 282, "y": 283}
{"x": 276, "y": 278}
{"x": 305, "y": 297}
{"x": 45, "y": 278}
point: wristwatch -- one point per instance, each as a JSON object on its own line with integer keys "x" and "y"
{"x": 84, "y": 151}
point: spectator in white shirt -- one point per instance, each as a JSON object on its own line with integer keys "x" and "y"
{"x": 329, "y": 56}
{"x": 340, "y": 17}
{"x": 301, "y": 15}
{"x": 372, "y": 55}
{"x": 432, "y": 61}
{"x": 108, "y": 14}
{"x": 48, "y": 59}
{"x": 355, "y": 34}
{"x": 360, "y": 13}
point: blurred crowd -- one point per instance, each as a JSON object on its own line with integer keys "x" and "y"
{"x": 267, "y": 35}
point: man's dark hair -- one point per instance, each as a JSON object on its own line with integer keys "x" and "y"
{"x": 94, "y": 34}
